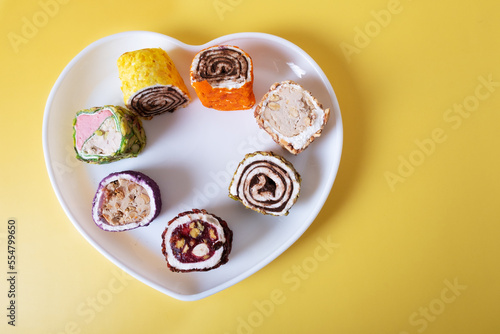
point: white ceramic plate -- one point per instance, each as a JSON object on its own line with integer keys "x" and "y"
{"x": 192, "y": 155}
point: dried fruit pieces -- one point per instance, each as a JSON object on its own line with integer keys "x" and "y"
{"x": 266, "y": 183}
{"x": 291, "y": 115}
{"x": 196, "y": 241}
{"x": 106, "y": 134}
{"x": 126, "y": 200}
{"x": 151, "y": 84}
{"x": 222, "y": 77}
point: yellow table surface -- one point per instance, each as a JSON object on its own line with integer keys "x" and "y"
{"x": 412, "y": 217}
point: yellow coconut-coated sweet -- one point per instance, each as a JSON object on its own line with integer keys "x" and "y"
{"x": 145, "y": 68}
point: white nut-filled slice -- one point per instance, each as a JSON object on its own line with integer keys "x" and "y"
{"x": 291, "y": 115}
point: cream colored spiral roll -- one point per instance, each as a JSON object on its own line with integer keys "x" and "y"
{"x": 266, "y": 183}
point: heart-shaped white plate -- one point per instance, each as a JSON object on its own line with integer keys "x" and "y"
{"x": 192, "y": 155}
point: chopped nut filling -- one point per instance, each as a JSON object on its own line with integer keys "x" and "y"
{"x": 105, "y": 140}
{"x": 290, "y": 112}
{"x": 125, "y": 202}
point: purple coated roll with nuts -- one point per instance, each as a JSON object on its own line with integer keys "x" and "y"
{"x": 126, "y": 200}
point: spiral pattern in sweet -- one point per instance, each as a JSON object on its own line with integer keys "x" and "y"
{"x": 156, "y": 100}
{"x": 265, "y": 185}
{"x": 223, "y": 64}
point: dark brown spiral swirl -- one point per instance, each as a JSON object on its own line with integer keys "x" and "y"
{"x": 156, "y": 100}
{"x": 221, "y": 64}
{"x": 266, "y": 186}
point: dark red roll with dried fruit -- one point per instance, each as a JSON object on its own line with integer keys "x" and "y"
{"x": 196, "y": 241}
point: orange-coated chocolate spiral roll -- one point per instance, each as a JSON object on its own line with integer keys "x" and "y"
{"x": 222, "y": 77}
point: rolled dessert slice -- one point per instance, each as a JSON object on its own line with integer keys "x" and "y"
{"x": 151, "y": 84}
{"x": 266, "y": 183}
{"x": 126, "y": 200}
{"x": 222, "y": 77}
{"x": 196, "y": 241}
{"x": 106, "y": 134}
{"x": 291, "y": 115}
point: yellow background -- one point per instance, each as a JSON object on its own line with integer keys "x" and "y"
{"x": 413, "y": 212}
